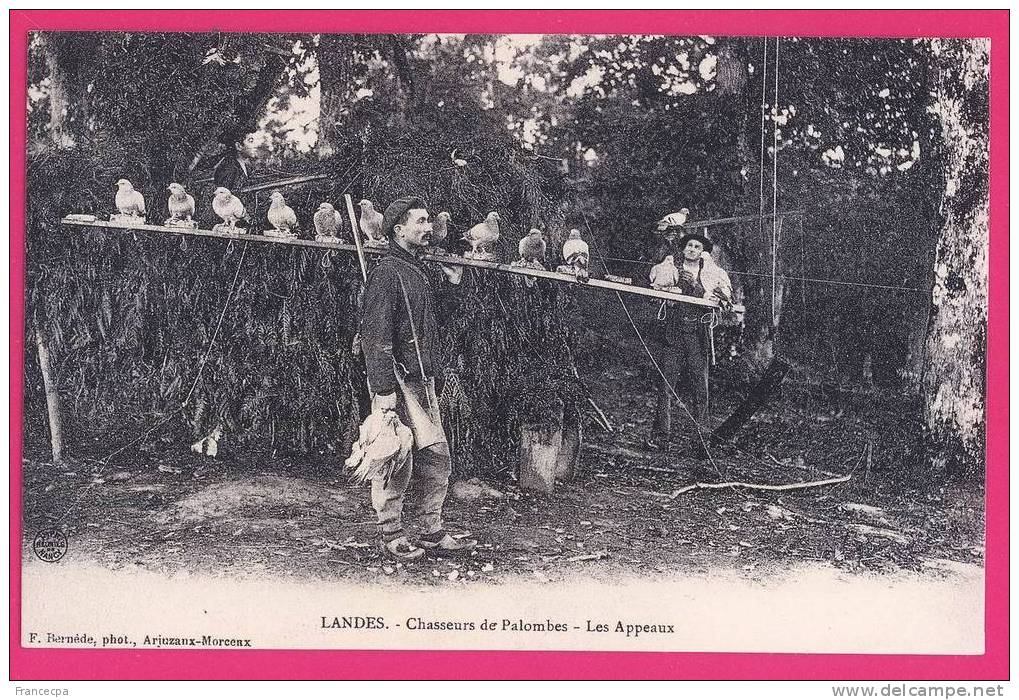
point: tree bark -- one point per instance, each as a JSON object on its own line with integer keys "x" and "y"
{"x": 740, "y": 97}
{"x": 52, "y": 400}
{"x": 953, "y": 383}
{"x": 59, "y": 94}
{"x": 332, "y": 87}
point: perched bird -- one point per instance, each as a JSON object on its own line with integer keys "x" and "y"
{"x": 665, "y": 274}
{"x": 280, "y": 215}
{"x": 482, "y": 236}
{"x": 327, "y": 220}
{"x": 674, "y": 220}
{"x": 228, "y": 207}
{"x": 129, "y": 201}
{"x": 440, "y": 228}
{"x": 576, "y": 249}
{"x": 532, "y": 247}
{"x": 181, "y": 205}
{"x": 716, "y": 282}
{"x": 576, "y": 253}
{"x": 371, "y": 222}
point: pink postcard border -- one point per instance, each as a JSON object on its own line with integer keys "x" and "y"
{"x": 78, "y": 664}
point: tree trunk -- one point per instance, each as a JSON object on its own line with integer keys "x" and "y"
{"x": 52, "y": 400}
{"x": 740, "y": 97}
{"x": 953, "y": 383}
{"x": 59, "y": 95}
{"x": 332, "y": 87}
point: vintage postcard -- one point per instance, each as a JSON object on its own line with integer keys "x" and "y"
{"x": 510, "y": 332}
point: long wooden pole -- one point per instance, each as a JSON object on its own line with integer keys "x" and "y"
{"x": 357, "y": 247}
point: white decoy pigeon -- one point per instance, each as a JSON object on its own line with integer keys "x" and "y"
{"x": 328, "y": 222}
{"x": 370, "y": 222}
{"x": 665, "y": 274}
{"x": 532, "y": 247}
{"x": 577, "y": 254}
{"x": 281, "y": 216}
{"x": 674, "y": 220}
{"x": 482, "y": 236}
{"x": 129, "y": 201}
{"x": 228, "y": 208}
{"x": 181, "y": 205}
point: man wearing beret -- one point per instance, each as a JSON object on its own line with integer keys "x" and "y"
{"x": 400, "y": 340}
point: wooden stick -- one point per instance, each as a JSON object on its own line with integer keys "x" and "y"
{"x": 52, "y": 400}
{"x": 356, "y": 232}
{"x": 761, "y": 487}
{"x": 602, "y": 418}
{"x": 736, "y": 219}
{"x": 801, "y": 467}
{"x": 445, "y": 259}
{"x": 282, "y": 183}
{"x": 758, "y": 396}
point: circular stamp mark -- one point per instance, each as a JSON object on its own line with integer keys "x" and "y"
{"x": 50, "y": 545}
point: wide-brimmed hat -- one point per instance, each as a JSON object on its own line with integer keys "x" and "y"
{"x": 397, "y": 210}
{"x": 696, "y": 236}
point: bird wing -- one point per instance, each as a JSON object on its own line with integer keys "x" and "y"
{"x": 289, "y": 217}
{"x": 369, "y": 225}
{"x": 321, "y": 219}
{"x": 138, "y": 201}
{"x": 236, "y": 208}
{"x": 189, "y": 206}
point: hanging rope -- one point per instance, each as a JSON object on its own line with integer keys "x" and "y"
{"x": 764, "y": 88}
{"x": 774, "y": 197}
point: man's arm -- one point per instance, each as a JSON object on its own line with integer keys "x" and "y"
{"x": 378, "y": 319}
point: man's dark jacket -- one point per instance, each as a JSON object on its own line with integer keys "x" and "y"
{"x": 385, "y": 327}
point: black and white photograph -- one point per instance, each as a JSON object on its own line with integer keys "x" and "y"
{"x": 505, "y": 341}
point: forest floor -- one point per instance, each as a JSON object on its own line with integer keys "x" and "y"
{"x": 172, "y": 511}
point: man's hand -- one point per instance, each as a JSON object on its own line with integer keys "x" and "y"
{"x": 686, "y": 277}
{"x": 723, "y": 299}
{"x": 454, "y": 273}
{"x": 384, "y": 402}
